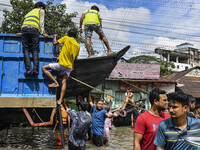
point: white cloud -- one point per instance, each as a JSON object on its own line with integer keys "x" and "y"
{"x": 4, "y": 5}
{"x": 181, "y": 21}
{"x": 120, "y": 17}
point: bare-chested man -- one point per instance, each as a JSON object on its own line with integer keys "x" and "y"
{"x": 128, "y": 99}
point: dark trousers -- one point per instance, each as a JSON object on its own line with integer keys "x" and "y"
{"x": 30, "y": 43}
{"x": 98, "y": 140}
{"x": 71, "y": 146}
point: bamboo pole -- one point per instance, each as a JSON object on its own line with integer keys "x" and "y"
{"x": 99, "y": 90}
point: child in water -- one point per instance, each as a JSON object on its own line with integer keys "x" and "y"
{"x": 107, "y": 122}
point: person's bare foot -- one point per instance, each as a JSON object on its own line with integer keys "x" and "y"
{"x": 110, "y": 52}
{"x": 59, "y": 101}
{"x": 53, "y": 85}
{"x": 89, "y": 56}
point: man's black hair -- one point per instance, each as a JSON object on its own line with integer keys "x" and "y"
{"x": 191, "y": 99}
{"x": 39, "y": 4}
{"x": 94, "y": 7}
{"x": 72, "y": 33}
{"x": 179, "y": 97}
{"x": 155, "y": 94}
{"x": 197, "y": 106}
{"x": 83, "y": 105}
{"x": 99, "y": 99}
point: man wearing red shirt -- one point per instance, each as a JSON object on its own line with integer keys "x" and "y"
{"x": 147, "y": 123}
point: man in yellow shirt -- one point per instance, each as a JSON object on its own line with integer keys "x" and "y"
{"x": 93, "y": 23}
{"x": 70, "y": 50}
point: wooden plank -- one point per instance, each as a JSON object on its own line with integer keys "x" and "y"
{"x": 27, "y": 102}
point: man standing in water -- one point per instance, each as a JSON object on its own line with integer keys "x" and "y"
{"x": 147, "y": 123}
{"x": 93, "y": 23}
{"x": 98, "y": 117}
{"x": 172, "y": 132}
{"x": 191, "y": 106}
{"x": 135, "y": 113}
{"x": 81, "y": 122}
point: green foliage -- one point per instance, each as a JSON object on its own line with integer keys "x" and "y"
{"x": 13, "y": 19}
{"x": 143, "y": 59}
{"x": 56, "y": 19}
{"x": 165, "y": 67}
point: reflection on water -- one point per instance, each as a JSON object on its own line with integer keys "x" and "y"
{"x": 121, "y": 138}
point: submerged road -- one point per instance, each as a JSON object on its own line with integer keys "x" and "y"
{"x": 121, "y": 138}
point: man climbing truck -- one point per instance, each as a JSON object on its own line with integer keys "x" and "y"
{"x": 67, "y": 56}
{"x": 93, "y": 23}
{"x": 32, "y": 25}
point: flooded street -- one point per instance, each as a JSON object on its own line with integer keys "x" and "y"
{"x": 121, "y": 138}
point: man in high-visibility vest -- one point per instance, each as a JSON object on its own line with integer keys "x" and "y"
{"x": 32, "y": 25}
{"x": 93, "y": 23}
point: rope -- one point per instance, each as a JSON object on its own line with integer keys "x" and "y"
{"x": 99, "y": 90}
{"x": 94, "y": 88}
{"x": 135, "y": 86}
{"x": 55, "y": 126}
{"x": 37, "y": 115}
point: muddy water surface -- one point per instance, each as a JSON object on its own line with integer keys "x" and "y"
{"x": 121, "y": 138}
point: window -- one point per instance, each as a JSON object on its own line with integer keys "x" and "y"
{"x": 177, "y": 66}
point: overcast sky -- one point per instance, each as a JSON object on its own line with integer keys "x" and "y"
{"x": 143, "y": 24}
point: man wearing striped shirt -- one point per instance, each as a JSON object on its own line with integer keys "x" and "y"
{"x": 172, "y": 132}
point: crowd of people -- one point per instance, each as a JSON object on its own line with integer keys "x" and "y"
{"x": 98, "y": 121}
{"x": 155, "y": 128}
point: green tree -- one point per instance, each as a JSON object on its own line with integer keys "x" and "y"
{"x": 13, "y": 19}
{"x": 56, "y": 19}
{"x": 165, "y": 67}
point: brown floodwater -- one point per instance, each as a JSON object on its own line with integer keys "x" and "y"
{"x": 121, "y": 138}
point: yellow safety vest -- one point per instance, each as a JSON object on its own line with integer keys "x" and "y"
{"x": 92, "y": 17}
{"x": 33, "y": 18}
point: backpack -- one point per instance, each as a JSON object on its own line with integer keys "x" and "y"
{"x": 83, "y": 123}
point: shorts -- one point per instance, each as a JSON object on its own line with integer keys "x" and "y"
{"x": 61, "y": 69}
{"x": 89, "y": 28}
{"x": 98, "y": 140}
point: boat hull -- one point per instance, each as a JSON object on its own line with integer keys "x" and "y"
{"x": 92, "y": 71}
{"x": 123, "y": 121}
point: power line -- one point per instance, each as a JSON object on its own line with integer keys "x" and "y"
{"x": 2, "y": 4}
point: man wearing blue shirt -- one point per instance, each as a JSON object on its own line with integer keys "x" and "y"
{"x": 172, "y": 132}
{"x": 98, "y": 117}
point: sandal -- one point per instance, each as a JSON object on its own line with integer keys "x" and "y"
{"x": 28, "y": 73}
{"x": 35, "y": 72}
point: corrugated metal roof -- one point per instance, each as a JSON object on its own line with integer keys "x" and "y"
{"x": 191, "y": 85}
{"x": 163, "y": 79}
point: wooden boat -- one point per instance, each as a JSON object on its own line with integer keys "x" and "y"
{"x": 92, "y": 71}
{"x": 124, "y": 121}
